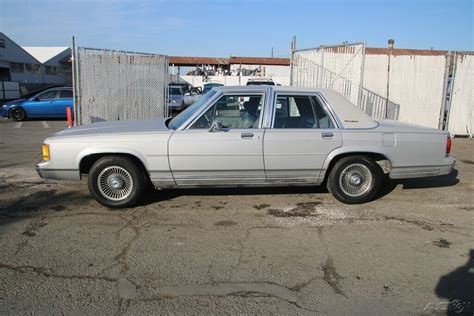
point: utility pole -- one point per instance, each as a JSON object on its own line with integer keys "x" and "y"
{"x": 272, "y": 52}
{"x": 390, "y": 49}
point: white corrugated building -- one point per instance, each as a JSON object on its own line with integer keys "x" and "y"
{"x": 34, "y": 66}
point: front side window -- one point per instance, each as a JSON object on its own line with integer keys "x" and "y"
{"x": 233, "y": 111}
{"x": 300, "y": 112}
{"x": 51, "y": 94}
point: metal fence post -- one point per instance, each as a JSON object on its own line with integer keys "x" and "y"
{"x": 74, "y": 81}
{"x": 361, "y": 83}
{"x": 292, "y": 56}
{"x": 442, "y": 126}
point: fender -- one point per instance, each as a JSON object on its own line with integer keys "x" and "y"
{"x": 353, "y": 150}
{"x": 110, "y": 150}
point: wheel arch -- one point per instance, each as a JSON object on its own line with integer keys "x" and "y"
{"x": 380, "y": 157}
{"x": 18, "y": 107}
{"x": 88, "y": 157}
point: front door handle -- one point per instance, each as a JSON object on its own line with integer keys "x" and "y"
{"x": 327, "y": 135}
{"x": 246, "y": 135}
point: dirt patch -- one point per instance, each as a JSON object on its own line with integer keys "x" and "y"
{"x": 304, "y": 209}
{"x": 58, "y": 208}
{"x": 442, "y": 243}
{"x": 217, "y": 207}
{"x": 467, "y": 208}
{"x": 261, "y": 206}
{"x": 225, "y": 223}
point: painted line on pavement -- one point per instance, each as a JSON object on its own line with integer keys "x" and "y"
{"x": 45, "y": 124}
{"x": 18, "y": 124}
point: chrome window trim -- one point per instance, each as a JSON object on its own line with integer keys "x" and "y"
{"x": 326, "y": 108}
{"x": 329, "y": 110}
{"x": 198, "y": 113}
{"x": 212, "y": 101}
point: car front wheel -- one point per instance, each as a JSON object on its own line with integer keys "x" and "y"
{"x": 116, "y": 181}
{"x": 18, "y": 114}
{"x": 355, "y": 179}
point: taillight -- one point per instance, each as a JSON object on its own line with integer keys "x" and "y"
{"x": 448, "y": 146}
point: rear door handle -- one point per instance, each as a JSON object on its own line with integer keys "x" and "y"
{"x": 327, "y": 135}
{"x": 246, "y": 135}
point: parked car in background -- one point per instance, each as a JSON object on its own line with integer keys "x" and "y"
{"x": 260, "y": 81}
{"x": 192, "y": 96}
{"x": 208, "y": 86}
{"x": 176, "y": 98}
{"x": 48, "y": 104}
{"x": 248, "y": 136}
{"x": 183, "y": 84}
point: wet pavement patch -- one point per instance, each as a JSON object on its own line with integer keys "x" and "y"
{"x": 217, "y": 207}
{"x": 470, "y": 162}
{"x": 442, "y": 243}
{"x": 225, "y": 223}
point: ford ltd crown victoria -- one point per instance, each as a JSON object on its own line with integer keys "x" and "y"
{"x": 248, "y": 136}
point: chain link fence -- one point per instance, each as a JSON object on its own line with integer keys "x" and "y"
{"x": 118, "y": 85}
{"x": 340, "y": 68}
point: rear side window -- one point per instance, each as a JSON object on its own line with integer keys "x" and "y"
{"x": 64, "y": 94}
{"x": 293, "y": 111}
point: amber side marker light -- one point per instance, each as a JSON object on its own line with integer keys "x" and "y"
{"x": 45, "y": 152}
{"x": 448, "y": 146}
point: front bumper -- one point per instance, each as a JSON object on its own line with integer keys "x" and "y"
{"x": 423, "y": 171}
{"x": 56, "y": 174}
{"x": 4, "y": 112}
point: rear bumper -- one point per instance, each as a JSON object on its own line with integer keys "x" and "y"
{"x": 423, "y": 171}
{"x": 56, "y": 174}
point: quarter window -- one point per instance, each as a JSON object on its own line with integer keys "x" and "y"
{"x": 65, "y": 94}
{"x": 233, "y": 111}
{"x": 300, "y": 112}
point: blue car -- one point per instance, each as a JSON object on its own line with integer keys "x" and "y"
{"x": 51, "y": 103}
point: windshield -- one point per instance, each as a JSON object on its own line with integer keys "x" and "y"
{"x": 175, "y": 91}
{"x": 186, "y": 114}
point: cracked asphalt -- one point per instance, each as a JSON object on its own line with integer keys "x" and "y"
{"x": 231, "y": 251}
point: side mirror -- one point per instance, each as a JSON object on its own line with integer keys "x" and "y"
{"x": 35, "y": 99}
{"x": 216, "y": 126}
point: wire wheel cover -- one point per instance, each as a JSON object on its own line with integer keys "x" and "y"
{"x": 115, "y": 183}
{"x": 355, "y": 180}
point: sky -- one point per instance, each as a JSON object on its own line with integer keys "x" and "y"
{"x": 239, "y": 28}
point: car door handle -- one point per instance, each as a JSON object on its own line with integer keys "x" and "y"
{"x": 327, "y": 135}
{"x": 246, "y": 135}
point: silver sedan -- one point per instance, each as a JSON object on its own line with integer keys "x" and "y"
{"x": 248, "y": 136}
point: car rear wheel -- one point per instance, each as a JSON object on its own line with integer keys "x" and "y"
{"x": 18, "y": 114}
{"x": 355, "y": 179}
{"x": 116, "y": 181}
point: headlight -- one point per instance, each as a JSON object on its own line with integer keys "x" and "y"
{"x": 45, "y": 152}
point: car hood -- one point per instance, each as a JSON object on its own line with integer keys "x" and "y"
{"x": 9, "y": 103}
{"x": 396, "y": 126}
{"x": 115, "y": 127}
